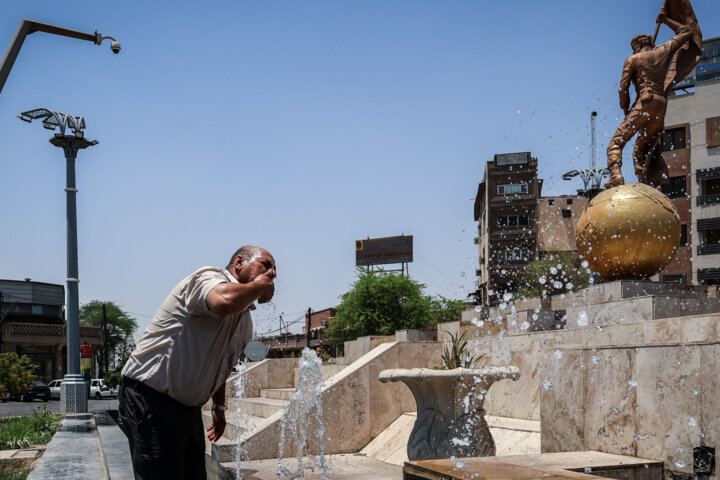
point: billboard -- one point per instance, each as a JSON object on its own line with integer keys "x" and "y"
{"x": 380, "y": 251}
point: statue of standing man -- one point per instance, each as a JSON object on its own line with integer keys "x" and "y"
{"x": 654, "y": 71}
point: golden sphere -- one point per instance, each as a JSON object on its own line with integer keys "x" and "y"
{"x": 630, "y": 231}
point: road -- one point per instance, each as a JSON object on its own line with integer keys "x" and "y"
{"x": 16, "y": 409}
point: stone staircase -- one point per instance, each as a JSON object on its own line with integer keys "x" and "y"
{"x": 357, "y": 407}
{"x": 244, "y": 416}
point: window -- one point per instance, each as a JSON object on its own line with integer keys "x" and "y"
{"x": 513, "y": 189}
{"x": 569, "y": 201}
{"x": 566, "y": 213}
{"x": 712, "y": 187}
{"x": 513, "y": 255}
{"x": 677, "y": 278}
{"x": 712, "y": 131}
{"x": 683, "y": 236}
{"x": 673, "y": 139}
{"x": 676, "y": 187}
{"x": 36, "y": 310}
{"x": 513, "y": 221}
{"x": 551, "y": 202}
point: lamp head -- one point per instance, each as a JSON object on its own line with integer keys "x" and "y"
{"x": 115, "y": 47}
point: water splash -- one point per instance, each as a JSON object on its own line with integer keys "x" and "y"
{"x": 302, "y": 417}
{"x": 243, "y": 418}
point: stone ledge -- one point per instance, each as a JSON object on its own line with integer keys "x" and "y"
{"x": 566, "y": 465}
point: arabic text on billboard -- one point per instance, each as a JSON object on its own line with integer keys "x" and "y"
{"x": 380, "y": 251}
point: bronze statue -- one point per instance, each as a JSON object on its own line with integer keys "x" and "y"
{"x": 654, "y": 71}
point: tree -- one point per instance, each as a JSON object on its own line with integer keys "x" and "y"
{"x": 16, "y": 373}
{"x": 553, "y": 274}
{"x": 380, "y": 303}
{"x": 120, "y": 324}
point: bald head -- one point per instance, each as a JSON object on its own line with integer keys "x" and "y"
{"x": 248, "y": 253}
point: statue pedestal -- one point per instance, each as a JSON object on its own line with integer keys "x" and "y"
{"x": 450, "y": 416}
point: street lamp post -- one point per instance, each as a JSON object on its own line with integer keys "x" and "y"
{"x": 28, "y": 27}
{"x": 73, "y": 393}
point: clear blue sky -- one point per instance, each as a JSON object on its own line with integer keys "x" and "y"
{"x": 297, "y": 126}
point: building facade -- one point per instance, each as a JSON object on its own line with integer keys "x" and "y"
{"x": 691, "y": 147}
{"x": 506, "y": 212}
{"x": 557, "y": 219}
{"x": 32, "y": 323}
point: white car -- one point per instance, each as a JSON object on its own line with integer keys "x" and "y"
{"x": 55, "y": 389}
{"x": 98, "y": 389}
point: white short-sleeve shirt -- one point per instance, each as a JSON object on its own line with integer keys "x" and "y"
{"x": 187, "y": 351}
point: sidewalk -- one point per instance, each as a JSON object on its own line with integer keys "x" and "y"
{"x": 87, "y": 446}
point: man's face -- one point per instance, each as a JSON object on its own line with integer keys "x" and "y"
{"x": 261, "y": 262}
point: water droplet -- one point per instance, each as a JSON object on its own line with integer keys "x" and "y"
{"x": 542, "y": 280}
{"x": 633, "y": 383}
{"x": 680, "y": 464}
{"x": 557, "y": 354}
{"x": 582, "y": 320}
{"x": 547, "y": 384}
{"x": 524, "y": 326}
{"x": 588, "y": 469}
{"x": 692, "y": 422}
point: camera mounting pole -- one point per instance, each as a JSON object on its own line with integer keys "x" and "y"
{"x": 28, "y": 27}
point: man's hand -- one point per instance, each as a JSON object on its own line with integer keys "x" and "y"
{"x": 218, "y": 426}
{"x": 661, "y": 17}
{"x": 265, "y": 284}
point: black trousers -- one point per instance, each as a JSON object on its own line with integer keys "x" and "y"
{"x": 166, "y": 438}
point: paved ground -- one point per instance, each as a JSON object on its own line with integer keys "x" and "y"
{"x": 16, "y": 409}
{"x": 341, "y": 467}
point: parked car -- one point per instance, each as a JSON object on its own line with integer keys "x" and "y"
{"x": 55, "y": 388}
{"x": 37, "y": 389}
{"x": 98, "y": 389}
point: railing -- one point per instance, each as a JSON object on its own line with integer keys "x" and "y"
{"x": 708, "y": 249}
{"x": 44, "y": 333}
{"x": 708, "y": 199}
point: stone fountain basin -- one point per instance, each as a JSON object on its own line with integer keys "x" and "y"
{"x": 450, "y": 416}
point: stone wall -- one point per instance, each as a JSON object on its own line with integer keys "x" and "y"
{"x": 631, "y": 373}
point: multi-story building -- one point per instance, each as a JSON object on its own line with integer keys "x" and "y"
{"x": 691, "y": 147}
{"x": 32, "y": 323}
{"x": 557, "y": 218}
{"x": 516, "y": 224}
{"x": 506, "y": 212}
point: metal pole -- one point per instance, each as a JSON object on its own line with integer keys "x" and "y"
{"x": 105, "y": 350}
{"x": 28, "y": 27}
{"x": 593, "y": 143}
{"x": 73, "y": 321}
{"x": 75, "y": 398}
{"x": 307, "y": 329}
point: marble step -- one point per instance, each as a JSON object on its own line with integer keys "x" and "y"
{"x": 257, "y": 406}
{"x": 639, "y": 309}
{"x": 277, "y": 393}
{"x": 237, "y": 424}
{"x": 625, "y": 290}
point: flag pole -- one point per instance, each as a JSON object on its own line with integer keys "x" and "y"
{"x": 657, "y": 29}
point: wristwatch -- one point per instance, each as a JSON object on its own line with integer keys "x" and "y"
{"x": 218, "y": 407}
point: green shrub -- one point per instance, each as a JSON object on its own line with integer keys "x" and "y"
{"x": 25, "y": 432}
{"x": 16, "y": 373}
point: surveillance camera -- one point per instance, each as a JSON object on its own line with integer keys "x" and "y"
{"x": 115, "y": 47}
{"x": 594, "y": 114}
